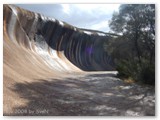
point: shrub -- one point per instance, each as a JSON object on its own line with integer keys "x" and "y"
{"x": 122, "y": 69}
{"x": 147, "y": 74}
{"x": 143, "y": 73}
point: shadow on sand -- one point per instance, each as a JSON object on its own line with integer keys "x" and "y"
{"x": 89, "y": 95}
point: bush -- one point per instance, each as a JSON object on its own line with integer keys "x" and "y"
{"x": 127, "y": 68}
{"x": 147, "y": 74}
{"x": 122, "y": 69}
{"x": 143, "y": 73}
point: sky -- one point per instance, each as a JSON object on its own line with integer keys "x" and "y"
{"x": 89, "y": 16}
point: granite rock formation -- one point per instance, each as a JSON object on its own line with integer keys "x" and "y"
{"x": 58, "y": 43}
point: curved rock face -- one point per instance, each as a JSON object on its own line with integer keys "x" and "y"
{"x": 61, "y": 46}
{"x": 43, "y": 71}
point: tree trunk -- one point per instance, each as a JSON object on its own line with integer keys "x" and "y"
{"x": 137, "y": 46}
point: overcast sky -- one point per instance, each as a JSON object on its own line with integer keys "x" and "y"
{"x": 89, "y": 16}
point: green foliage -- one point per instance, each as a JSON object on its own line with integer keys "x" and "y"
{"x": 134, "y": 51}
{"x": 147, "y": 74}
{"x": 144, "y": 73}
{"x": 124, "y": 69}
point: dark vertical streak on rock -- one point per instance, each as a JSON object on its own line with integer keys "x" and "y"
{"x": 83, "y": 48}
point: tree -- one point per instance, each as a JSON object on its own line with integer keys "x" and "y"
{"x": 136, "y": 23}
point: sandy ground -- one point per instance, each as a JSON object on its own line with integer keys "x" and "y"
{"x": 90, "y": 94}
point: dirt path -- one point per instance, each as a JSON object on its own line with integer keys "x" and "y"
{"x": 87, "y": 95}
